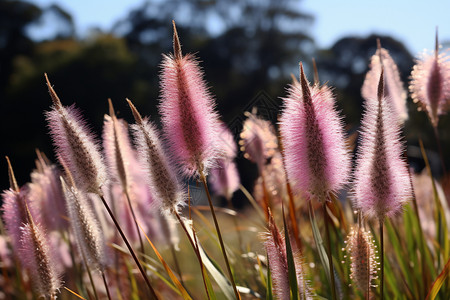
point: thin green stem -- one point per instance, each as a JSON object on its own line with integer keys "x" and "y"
{"x": 89, "y": 275}
{"x": 141, "y": 243}
{"x": 106, "y": 284}
{"x": 175, "y": 259}
{"x": 329, "y": 254}
{"x": 381, "y": 261}
{"x": 197, "y": 252}
{"x": 133, "y": 254}
{"x": 219, "y": 235}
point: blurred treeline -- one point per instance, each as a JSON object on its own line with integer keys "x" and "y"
{"x": 247, "y": 49}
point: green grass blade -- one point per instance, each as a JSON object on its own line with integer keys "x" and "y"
{"x": 319, "y": 242}
{"x": 401, "y": 256}
{"x": 223, "y": 283}
{"x": 437, "y": 284}
{"x": 291, "y": 264}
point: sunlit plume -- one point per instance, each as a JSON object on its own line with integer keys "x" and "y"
{"x": 316, "y": 154}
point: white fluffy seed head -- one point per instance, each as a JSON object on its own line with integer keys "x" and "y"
{"x": 85, "y": 226}
{"x": 77, "y": 147}
{"x": 36, "y": 256}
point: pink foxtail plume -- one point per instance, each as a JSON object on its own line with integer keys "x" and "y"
{"x": 258, "y": 139}
{"x": 430, "y": 83}
{"x": 363, "y": 260}
{"x": 13, "y": 212}
{"x": 381, "y": 180}
{"x": 393, "y": 86}
{"x": 317, "y": 159}
{"x": 28, "y": 240}
{"x": 224, "y": 178}
{"x": 76, "y": 145}
{"x": 162, "y": 180}
{"x": 37, "y": 257}
{"x": 15, "y": 201}
{"x": 274, "y": 182}
{"x": 188, "y": 114}
{"x": 119, "y": 154}
{"x": 276, "y": 252}
{"x": 46, "y": 193}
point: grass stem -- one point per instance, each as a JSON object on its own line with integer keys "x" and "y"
{"x": 89, "y": 275}
{"x": 133, "y": 254}
{"x": 106, "y": 284}
{"x": 195, "y": 247}
{"x": 219, "y": 235}
{"x": 329, "y": 252}
{"x": 141, "y": 243}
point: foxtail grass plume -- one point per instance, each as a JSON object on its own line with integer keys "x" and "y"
{"x": 188, "y": 115}
{"x": 14, "y": 214}
{"x": 274, "y": 181}
{"x": 85, "y": 226}
{"x": 46, "y": 193}
{"x": 278, "y": 263}
{"x": 393, "y": 86}
{"x": 119, "y": 153}
{"x": 224, "y": 177}
{"x": 5, "y": 253}
{"x": 162, "y": 180}
{"x": 316, "y": 155}
{"x": 37, "y": 257}
{"x": 381, "y": 180}
{"x": 430, "y": 83}
{"x": 258, "y": 139}
{"x": 363, "y": 259}
{"x": 15, "y": 201}
{"x": 76, "y": 145}
{"x": 28, "y": 240}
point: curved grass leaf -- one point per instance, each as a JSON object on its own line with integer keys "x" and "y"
{"x": 290, "y": 260}
{"x": 437, "y": 284}
{"x": 175, "y": 280}
{"x": 319, "y": 242}
{"x": 223, "y": 283}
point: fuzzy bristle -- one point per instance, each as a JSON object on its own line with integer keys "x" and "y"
{"x": 363, "y": 260}
{"x": 119, "y": 154}
{"x": 258, "y": 139}
{"x": 76, "y": 146}
{"x": 85, "y": 226}
{"x": 316, "y": 154}
{"x": 276, "y": 252}
{"x": 381, "y": 178}
{"x": 162, "y": 180}
{"x": 274, "y": 182}
{"x": 393, "y": 86}
{"x": 430, "y": 84}
{"x": 190, "y": 122}
{"x": 224, "y": 178}
{"x": 36, "y": 256}
{"x": 14, "y": 214}
{"x": 46, "y": 193}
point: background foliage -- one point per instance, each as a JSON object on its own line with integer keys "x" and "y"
{"x": 256, "y": 48}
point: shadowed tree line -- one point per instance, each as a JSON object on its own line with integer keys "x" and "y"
{"x": 245, "y": 47}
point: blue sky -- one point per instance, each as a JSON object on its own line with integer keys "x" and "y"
{"x": 411, "y": 22}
